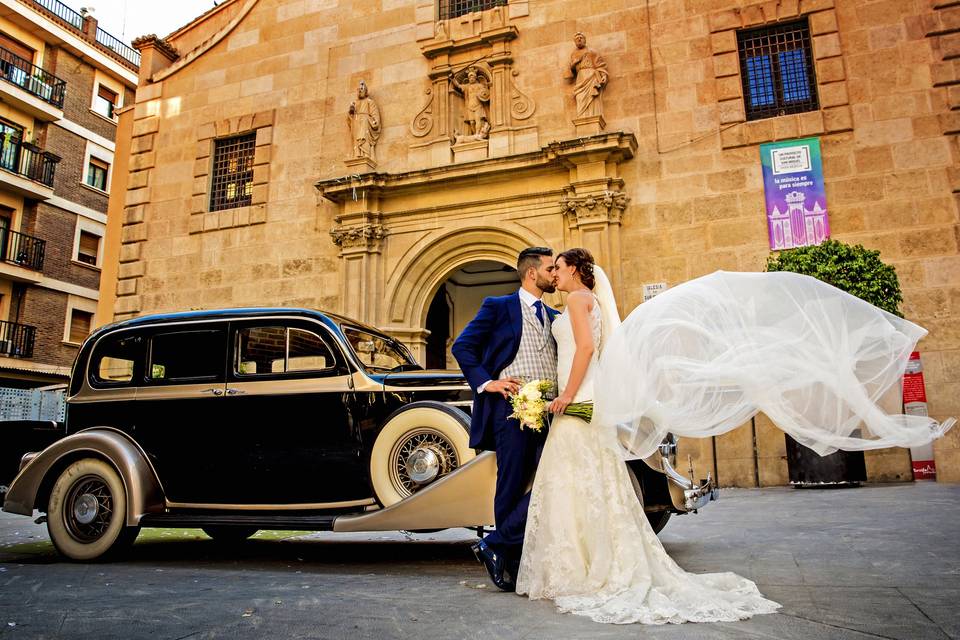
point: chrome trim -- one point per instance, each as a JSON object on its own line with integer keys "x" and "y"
{"x": 693, "y": 496}
{"x": 460, "y": 403}
{"x": 458, "y": 387}
{"x": 198, "y": 390}
{"x": 463, "y": 498}
{"x": 270, "y": 507}
{"x": 289, "y": 386}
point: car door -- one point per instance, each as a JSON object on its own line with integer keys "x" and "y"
{"x": 289, "y": 399}
{"x": 179, "y": 413}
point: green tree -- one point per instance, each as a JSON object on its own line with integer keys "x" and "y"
{"x": 856, "y": 270}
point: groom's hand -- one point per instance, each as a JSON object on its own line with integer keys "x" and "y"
{"x": 504, "y": 387}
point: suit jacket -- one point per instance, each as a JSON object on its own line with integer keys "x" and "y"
{"x": 485, "y": 347}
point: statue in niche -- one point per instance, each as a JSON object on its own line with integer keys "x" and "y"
{"x": 588, "y": 72}
{"x": 476, "y": 95}
{"x": 364, "y": 124}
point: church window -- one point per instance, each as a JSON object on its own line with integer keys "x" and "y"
{"x": 776, "y": 65}
{"x": 232, "y": 182}
{"x": 454, "y": 8}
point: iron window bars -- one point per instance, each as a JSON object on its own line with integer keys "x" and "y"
{"x": 776, "y": 67}
{"x": 232, "y": 183}
{"x": 454, "y": 8}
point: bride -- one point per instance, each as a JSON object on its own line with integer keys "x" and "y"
{"x": 699, "y": 362}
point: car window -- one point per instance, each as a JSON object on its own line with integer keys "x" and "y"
{"x": 184, "y": 356}
{"x": 115, "y": 359}
{"x": 278, "y": 350}
{"x": 377, "y": 352}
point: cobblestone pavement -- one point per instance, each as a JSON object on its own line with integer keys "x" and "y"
{"x": 875, "y": 562}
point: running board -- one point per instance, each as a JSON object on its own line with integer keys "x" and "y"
{"x": 462, "y": 499}
{"x": 278, "y": 522}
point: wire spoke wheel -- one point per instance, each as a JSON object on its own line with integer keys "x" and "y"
{"x": 89, "y": 509}
{"x": 422, "y": 456}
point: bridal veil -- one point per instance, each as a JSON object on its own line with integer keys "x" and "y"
{"x": 704, "y": 357}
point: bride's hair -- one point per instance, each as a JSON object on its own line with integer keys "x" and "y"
{"x": 583, "y": 261}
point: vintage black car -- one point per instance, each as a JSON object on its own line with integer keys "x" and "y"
{"x": 245, "y": 419}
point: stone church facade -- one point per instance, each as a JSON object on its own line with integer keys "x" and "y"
{"x": 388, "y": 159}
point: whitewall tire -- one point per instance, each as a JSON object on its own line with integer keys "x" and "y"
{"x": 417, "y": 446}
{"x": 87, "y": 511}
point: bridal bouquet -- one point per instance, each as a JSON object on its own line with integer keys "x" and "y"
{"x": 530, "y": 405}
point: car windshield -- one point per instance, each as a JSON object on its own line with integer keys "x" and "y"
{"x": 379, "y": 352}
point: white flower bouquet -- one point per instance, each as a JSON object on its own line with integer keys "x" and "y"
{"x": 530, "y": 405}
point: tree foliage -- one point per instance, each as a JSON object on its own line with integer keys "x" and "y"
{"x": 852, "y": 268}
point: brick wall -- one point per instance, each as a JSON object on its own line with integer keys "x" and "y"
{"x": 79, "y": 96}
{"x": 58, "y": 227}
{"x": 68, "y": 179}
{"x": 46, "y": 310}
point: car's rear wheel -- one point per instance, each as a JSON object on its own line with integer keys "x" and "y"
{"x": 87, "y": 510}
{"x": 229, "y": 535}
{"x": 418, "y": 445}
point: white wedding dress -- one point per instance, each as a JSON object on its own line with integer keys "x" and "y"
{"x": 588, "y": 544}
{"x": 698, "y": 361}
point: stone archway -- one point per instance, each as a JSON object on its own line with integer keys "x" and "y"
{"x": 456, "y": 302}
{"x": 413, "y": 284}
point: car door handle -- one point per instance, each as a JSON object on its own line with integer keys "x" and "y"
{"x": 216, "y": 392}
{"x": 235, "y": 392}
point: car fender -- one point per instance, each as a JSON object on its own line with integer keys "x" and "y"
{"x": 144, "y": 491}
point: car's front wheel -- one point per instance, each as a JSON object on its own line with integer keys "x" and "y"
{"x": 417, "y": 446}
{"x": 87, "y": 509}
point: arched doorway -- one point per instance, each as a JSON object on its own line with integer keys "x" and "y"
{"x": 456, "y": 302}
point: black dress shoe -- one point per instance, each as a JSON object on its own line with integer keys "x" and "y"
{"x": 494, "y": 564}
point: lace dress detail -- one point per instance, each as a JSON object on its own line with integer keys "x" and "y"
{"x": 588, "y": 544}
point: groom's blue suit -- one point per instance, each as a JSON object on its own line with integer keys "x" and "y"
{"x": 484, "y": 349}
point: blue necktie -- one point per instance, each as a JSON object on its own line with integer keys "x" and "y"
{"x": 539, "y": 307}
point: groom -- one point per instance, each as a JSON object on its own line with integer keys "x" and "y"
{"x": 507, "y": 343}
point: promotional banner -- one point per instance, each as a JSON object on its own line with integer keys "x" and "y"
{"x": 795, "y": 197}
{"x": 915, "y": 404}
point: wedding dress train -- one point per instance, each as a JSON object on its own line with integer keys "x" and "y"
{"x": 588, "y": 544}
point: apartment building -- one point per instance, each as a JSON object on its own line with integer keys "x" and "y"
{"x": 62, "y": 80}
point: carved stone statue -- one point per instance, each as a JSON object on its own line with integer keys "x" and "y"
{"x": 364, "y": 124}
{"x": 588, "y": 72}
{"x": 476, "y": 94}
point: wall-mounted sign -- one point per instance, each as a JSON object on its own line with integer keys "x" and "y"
{"x": 793, "y": 186}
{"x": 650, "y": 290}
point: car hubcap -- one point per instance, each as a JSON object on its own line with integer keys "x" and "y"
{"x": 419, "y": 458}
{"x": 89, "y": 509}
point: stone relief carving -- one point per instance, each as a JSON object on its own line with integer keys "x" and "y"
{"x": 607, "y": 206}
{"x": 587, "y": 70}
{"x": 423, "y": 121}
{"x": 522, "y": 106}
{"x": 364, "y": 119}
{"x": 475, "y": 89}
{"x": 362, "y": 235}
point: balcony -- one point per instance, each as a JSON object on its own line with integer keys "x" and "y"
{"x": 85, "y": 26}
{"x": 26, "y": 168}
{"x": 22, "y": 250}
{"x": 16, "y": 340}
{"x": 30, "y": 88}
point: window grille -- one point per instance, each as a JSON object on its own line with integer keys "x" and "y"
{"x": 453, "y": 8}
{"x": 776, "y": 66}
{"x": 232, "y": 183}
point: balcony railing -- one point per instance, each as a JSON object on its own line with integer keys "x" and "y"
{"x": 16, "y": 340}
{"x": 27, "y": 160}
{"x": 22, "y": 250}
{"x": 71, "y": 18}
{"x": 32, "y": 78}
